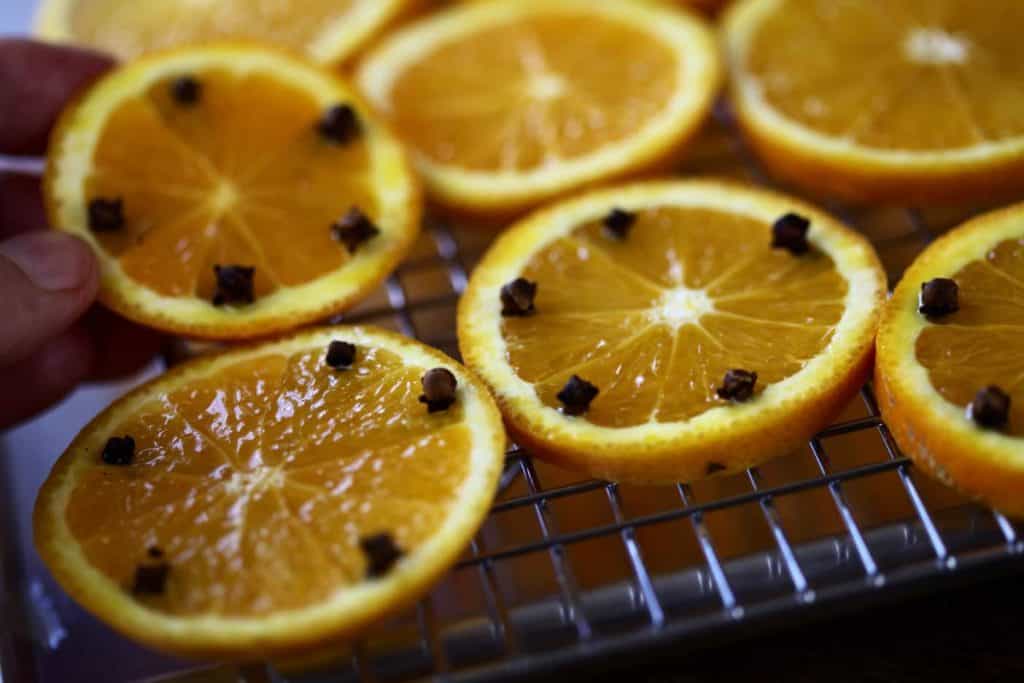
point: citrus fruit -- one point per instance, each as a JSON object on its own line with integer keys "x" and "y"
{"x": 328, "y": 31}
{"x": 274, "y": 497}
{"x": 940, "y": 372}
{"x": 880, "y": 101}
{"x": 652, "y": 332}
{"x": 230, "y": 191}
{"x": 507, "y": 103}
{"x": 709, "y": 6}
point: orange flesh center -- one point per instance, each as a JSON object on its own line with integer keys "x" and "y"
{"x": 977, "y": 346}
{"x": 518, "y": 96}
{"x": 258, "y": 482}
{"x": 656, "y": 320}
{"x": 129, "y": 29}
{"x": 917, "y": 74}
{"x": 242, "y": 177}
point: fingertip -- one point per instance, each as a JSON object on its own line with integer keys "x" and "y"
{"x": 54, "y": 261}
{"x": 48, "y": 280}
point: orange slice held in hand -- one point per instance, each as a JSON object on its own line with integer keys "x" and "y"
{"x": 950, "y": 374}
{"x": 505, "y": 104}
{"x": 230, "y": 191}
{"x": 266, "y": 501}
{"x": 328, "y": 31}
{"x": 667, "y": 331}
{"x": 883, "y": 101}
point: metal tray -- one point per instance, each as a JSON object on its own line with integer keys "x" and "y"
{"x": 567, "y": 571}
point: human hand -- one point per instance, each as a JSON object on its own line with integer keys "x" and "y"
{"x": 51, "y": 336}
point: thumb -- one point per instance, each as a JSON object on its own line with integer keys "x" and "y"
{"x": 47, "y": 280}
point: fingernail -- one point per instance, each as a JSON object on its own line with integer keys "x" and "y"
{"x": 53, "y": 261}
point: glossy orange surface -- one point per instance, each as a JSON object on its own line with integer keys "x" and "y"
{"x": 258, "y": 482}
{"x": 657, "y": 319}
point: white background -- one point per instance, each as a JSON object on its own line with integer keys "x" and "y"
{"x": 16, "y": 15}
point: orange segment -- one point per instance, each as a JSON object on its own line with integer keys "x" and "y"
{"x": 920, "y": 95}
{"x": 931, "y": 368}
{"x": 256, "y": 476}
{"x": 506, "y": 103}
{"x": 326, "y": 30}
{"x": 657, "y": 318}
{"x": 565, "y": 265}
{"x": 627, "y": 373}
{"x": 582, "y": 338}
{"x": 240, "y": 177}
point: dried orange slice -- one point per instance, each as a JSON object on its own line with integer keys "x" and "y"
{"x": 274, "y": 497}
{"x": 867, "y": 100}
{"x": 507, "y": 103}
{"x": 665, "y": 298}
{"x": 936, "y": 371}
{"x": 328, "y": 31}
{"x": 231, "y": 191}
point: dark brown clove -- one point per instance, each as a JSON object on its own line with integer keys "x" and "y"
{"x": 151, "y": 579}
{"x": 439, "y": 387}
{"x": 119, "y": 450}
{"x": 339, "y": 124}
{"x": 790, "y": 232}
{"x": 576, "y": 395}
{"x": 618, "y": 223}
{"x": 234, "y": 285}
{"x": 106, "y": 215}
{"x": 340, "y": 354}
{"x": 353, "y": 229}
{"x": 381, "y": 554}
{"x": 737, "y": 385}
{"x": 939, "y": 297}
{"x": 990, "y": 408}
{"x": 186, "y": 90}
{"x": 517, "y": 297}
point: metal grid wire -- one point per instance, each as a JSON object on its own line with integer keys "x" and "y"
{"x": 508, "y": 631}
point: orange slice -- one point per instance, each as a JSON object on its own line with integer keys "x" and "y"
{"x": 931, "y": 368}
{"x": 328, "y": 31}
{"x": 656, "y": 319}
{"x": 270, "y": 502}
{"x": 507, "y": 103}
{"x": 230, "y": 157}
{"x": 709, "y": 6}
{"x": 906, "y": 102}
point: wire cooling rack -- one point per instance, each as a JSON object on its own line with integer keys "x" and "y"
{"x": 569, "y": 571}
